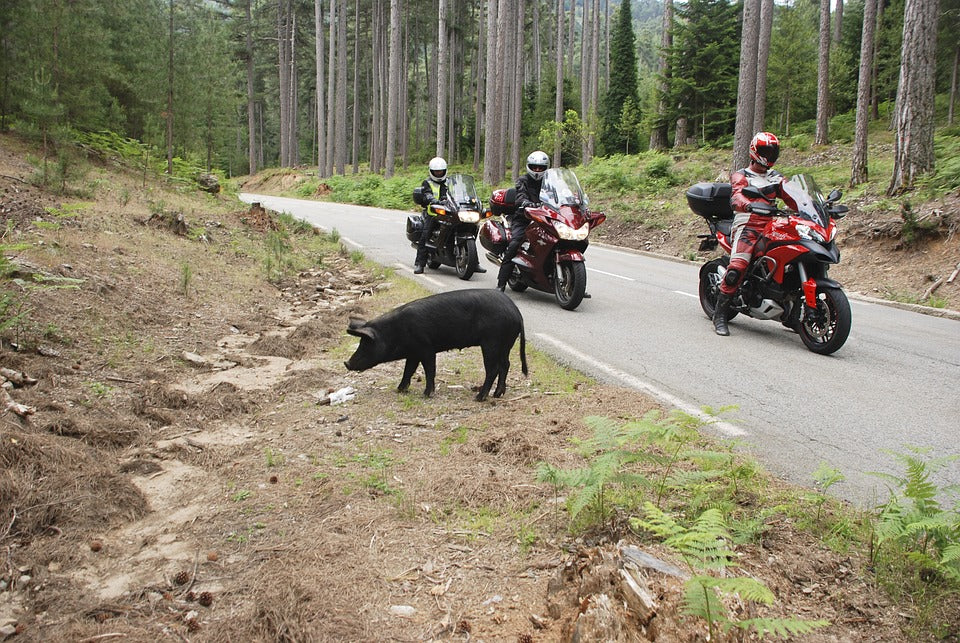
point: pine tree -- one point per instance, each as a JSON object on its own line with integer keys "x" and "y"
{"x": 704, "y": 65}
{"x": 623, "y": 80}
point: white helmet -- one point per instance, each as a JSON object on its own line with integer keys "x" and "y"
{"x": 537, "y": 164}
{"x": 438, "y": 170}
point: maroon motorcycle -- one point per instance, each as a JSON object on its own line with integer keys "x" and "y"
{"x": 551, "y": 258}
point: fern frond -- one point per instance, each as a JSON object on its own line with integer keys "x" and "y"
{"x": 714, "y": 458}
{"x": 657, "y": 522}
{"x": 781, "y": 627}
{"x": 606, "y": 435}
{"x": 749, "y": 589}
{"x": 699, "y": 599}
{"x": 951, "y": 554}
{"x": 682, "y": 479}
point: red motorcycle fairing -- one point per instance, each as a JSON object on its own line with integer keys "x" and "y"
{"x": 570, "y": 255}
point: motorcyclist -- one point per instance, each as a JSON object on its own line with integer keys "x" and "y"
{"x": 437, "y": 178}
{"x": 748, "y": 225}
{"x": 528, "y": 196}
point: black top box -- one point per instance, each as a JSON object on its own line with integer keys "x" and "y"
{"x": 710, "y": 200}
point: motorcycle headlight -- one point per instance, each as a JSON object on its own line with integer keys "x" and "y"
{"x": 567, "y": 233}
{"x": 806, "y": 232}
{"x": 469, "y": 216}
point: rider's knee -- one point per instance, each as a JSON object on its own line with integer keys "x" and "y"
{"x": 732, "y": 277}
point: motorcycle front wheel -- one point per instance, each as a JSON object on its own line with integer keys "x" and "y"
{"x": 570, "y": 284}
{"x": 826, "y": 330}
{"x": 710, "y": 278}
{"x": 465, "y": 255}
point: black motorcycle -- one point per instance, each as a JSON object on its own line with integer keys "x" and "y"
{"x": 454, "y": 240}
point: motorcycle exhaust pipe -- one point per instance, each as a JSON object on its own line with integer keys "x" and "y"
{"x": 494, "y": 258}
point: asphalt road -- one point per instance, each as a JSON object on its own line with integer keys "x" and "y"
{"x": 895, "y": 383}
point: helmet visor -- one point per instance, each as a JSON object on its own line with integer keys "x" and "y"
{"x": 769, "y": 153}
{"x": 537, "y": 168}
{"x": 438, "y": 174}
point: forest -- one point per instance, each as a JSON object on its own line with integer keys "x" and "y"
{"x": 235, "y": 86}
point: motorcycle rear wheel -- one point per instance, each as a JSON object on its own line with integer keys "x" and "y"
{"x": 710, "y": 286}
{"x": 570, "y": 284}
{"x": 826, "y": 330}
{"x": 514, "y": 281}
{"x": 465, "y": 255}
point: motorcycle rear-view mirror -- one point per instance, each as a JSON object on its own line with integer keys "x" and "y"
{"x": 752, "y": 192}
{"x": 838, "y": 211}
{"x": 834, "y": 196}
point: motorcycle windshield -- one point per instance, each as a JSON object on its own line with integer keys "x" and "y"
{"x": 463, "y": 191}
{"x": 561, "y": 187}
{"x": 808, "y": 197}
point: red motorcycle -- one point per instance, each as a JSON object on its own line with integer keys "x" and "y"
{"x": 787, "y": 276}
{"x": 551, "y": 258}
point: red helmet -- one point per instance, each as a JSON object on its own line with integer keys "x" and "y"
{"x": 764, "y": 149}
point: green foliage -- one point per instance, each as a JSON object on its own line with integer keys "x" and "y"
{"x": 825, "y": 477}
{"x": 623, "y": 81}
{"x": 912, "y": 520}
{"x": 704, "y": 67}
{"x": 186, "y": 276}
{"x": 277, "y": 259}
{"x": 914, "y": 228}
{"x": 705, "y": 548}
{"x": 620, "y": 456}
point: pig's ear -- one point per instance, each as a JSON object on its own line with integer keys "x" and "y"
{"x": 358, "y": 328}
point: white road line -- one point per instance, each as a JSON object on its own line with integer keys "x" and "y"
{"x": 724, "y": 427}
{"x": 351, "y": 242}
{"x": 407, "y": 268}
{"x": 610, "y": 274}
{"x": 686, "y": 294}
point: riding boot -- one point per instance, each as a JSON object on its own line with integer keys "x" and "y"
{"x": 720, "y": 314}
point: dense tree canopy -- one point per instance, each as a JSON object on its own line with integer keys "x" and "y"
{"x": 243, "y": 87}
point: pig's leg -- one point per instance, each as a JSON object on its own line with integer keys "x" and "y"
{"x": 491, "y": 366}
{"x": 503, "y": 369}
{"x": 430, "y": 371}
{"x": 408, "y": 370}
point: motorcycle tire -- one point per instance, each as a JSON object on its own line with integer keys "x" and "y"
{"x": 825, "y": 331}
{"x": 514, "y": 281}
{"x": 465, "y": 256}
{"x": 710, "y": 286}
{"x": 570, "y": 284}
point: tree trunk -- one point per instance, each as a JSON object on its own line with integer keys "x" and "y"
{"x": 251, "y": 112}
{"x": 341, "y": 123}
{"x": 393, "y": 87}
{"x": 763, "y": 56}
{"x": 558, "y": 111}
{"x": 331, "y": 78}
{"x": 874, "y": 92}
{"x": 823, "y": 76}
{"x": 442, "y": 69}
{"x": 535, "y": 46}
{"x": 481, "y": 89}
{"x": 169, "y": 99}
{"x": 376, "y": 97}
{"x": 321, "y": 106}
{"x": 355, "y": 127}
{"x": 858, "y": 173}
{"x": 914, "y": 112}
{"x": 506, "y": 21}
{"x": 585, "y": 66}
{"x": 491, "y": 131}
{"x": 953, "y": 84}
{"x": 518, "y": 82}
{"x": 747, "y": 86}
{"x": 658, "y": 135}
{"x": 838, "y": 23}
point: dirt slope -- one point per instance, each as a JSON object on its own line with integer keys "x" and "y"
{"x": 182, "y": 478}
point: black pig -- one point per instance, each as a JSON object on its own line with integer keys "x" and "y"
{"x": 418, "y": 330}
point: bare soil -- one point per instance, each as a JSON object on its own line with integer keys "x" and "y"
{"x": 182, "y": 475}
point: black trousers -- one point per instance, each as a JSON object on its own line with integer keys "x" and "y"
{"x": 518, "y": 233}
